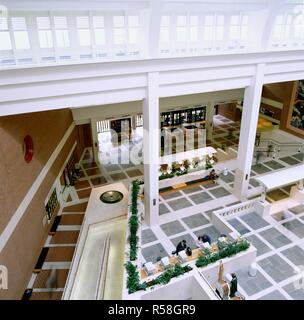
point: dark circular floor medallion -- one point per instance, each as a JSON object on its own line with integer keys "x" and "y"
{"x": 111, "y": 196}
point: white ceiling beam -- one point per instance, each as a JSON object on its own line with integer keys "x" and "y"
{"x": 74, "y": 5}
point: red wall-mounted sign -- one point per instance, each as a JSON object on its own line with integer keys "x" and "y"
{"x": 28, "y": 148}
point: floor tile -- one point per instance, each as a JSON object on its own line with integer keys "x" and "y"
{"x": 134, "y": 173}
{"x": 171, "y": 195}
{"x": 254, "y": 220}
{"x": 294, "y": 292}
{"x": 275, "y": 237}
{"x": 289, "y": 160}
{"x": 277, "y": 195}
{"x": 274, "y": 165}
{"x": 195, "y": 221}
{"x": 112, "y": 167}
{"x": 172, "y": 228}
{"x": 219, "y": 192}
{"x": 252, "y": 285}
{"x": 154, "y": 253}
{"x": 147, "y": 236}
{"x": 238, "y": 226}
{"x": 192, "y": 190}
{"x": 258, "y": 244}
{"x": 163, "y": 209}
{"x": 282, "y": 215}
{"x": 82, "y": 184}
{"x": 99, "y": 181}
{"x": 85, "y": 193}
{"x": 179, "y": 204}
{"x": 211, "y": 231}
{"x": 228, "y": 178}
{"x": 274, "y": 295}
{"x": 277, "y": 268}
{"x": 93, "y": 172}
{"x": 299, "y": 156}
{"x": 260, "y": 168}
{"x": 297, "y": 210}
{"x": 201, "y": 197}
{"x": 118, "y": 176}
{"x": 295, "y": 255}
{"x": 189, "y": 239}
{"x": 295, "y": 226}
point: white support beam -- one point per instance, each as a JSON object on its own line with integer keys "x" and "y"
{"x": 250, "y": 116}
{"x": 154, "y": 27}
{"x": 151, "y": 149}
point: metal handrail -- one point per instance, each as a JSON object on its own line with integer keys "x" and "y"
{"x": 101, "y": 282}
{"x": 210, "y": 286}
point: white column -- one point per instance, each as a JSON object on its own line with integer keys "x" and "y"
{"x": 210, "y": 112}
{"x": 151, "y": 150}
{"x": 250, "y": 116}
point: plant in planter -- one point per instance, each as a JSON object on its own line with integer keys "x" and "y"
{"x": 133, "y": 282}
{"x": 224, "y": 251}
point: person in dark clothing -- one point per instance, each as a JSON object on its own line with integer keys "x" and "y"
{"x": 233, "y": 285}
{"x": 206, "y": 238}
{"x": 180, "y": 247}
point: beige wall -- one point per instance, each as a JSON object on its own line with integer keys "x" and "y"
{"x": 23, "y": 248}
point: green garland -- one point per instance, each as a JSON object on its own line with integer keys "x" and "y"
{"x": 133, "y": 221}
{"x": 133, "y": 282}
{"x": 225, "y": 251}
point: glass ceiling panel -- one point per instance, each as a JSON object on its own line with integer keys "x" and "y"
{"x": 112, "y": 30}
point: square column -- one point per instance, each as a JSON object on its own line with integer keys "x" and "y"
{"x": 210, "y": 112}
{"x": 250, "y": 117}
{"x": 151, "y": 138}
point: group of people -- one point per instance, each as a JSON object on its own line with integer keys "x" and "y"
{"x": 182, "y": 245}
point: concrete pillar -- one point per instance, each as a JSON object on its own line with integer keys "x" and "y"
{"x": 133, "y": 120}
{"x": 151, "y": 149}
{"x": 210, "y": 112}
{"x": 250, "y": 116}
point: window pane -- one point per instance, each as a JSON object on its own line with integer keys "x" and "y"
{"x": 133, "y": 21}
{"x": 209, "y": 20}
{"x": 235, "y": 20}
{"x": 220, "y": 20}
{"x": 164, "y": 35}
{"x": 100, "y": 38}
{"x": 82, "y": 22}
{"x": 84, "y": 38}
{"x": 234, "y": 32}
{"x": 219, "y": 33}
{"x": 98, "y": 22}
{"x": 21, "y": 40}
{"x": 18, "y": 23}
{"x": 182, "y": 21}
{"x": 3, "y": 23}
{"x": 193, "y": 33}
{"x": 119, "y": 21}
{"x": 133, "y": 35}
{"x": 5, "y": 41}
{"x": 194, "y": 20}
{"x": 43, "y": 23}
{"x": 245, "y": 20}
{"x": 279, "y": 19}
{"x": 45, "y": 39}
{"x": 165, "y": 21}
{"x": 244, "y": 33}
{"x": 62, "y": 38}
{"x": 60, "y": 23}
{"x": 119, "y": 36}
{"x": 208, "y": 33}
{"x": 181, "y": 34}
